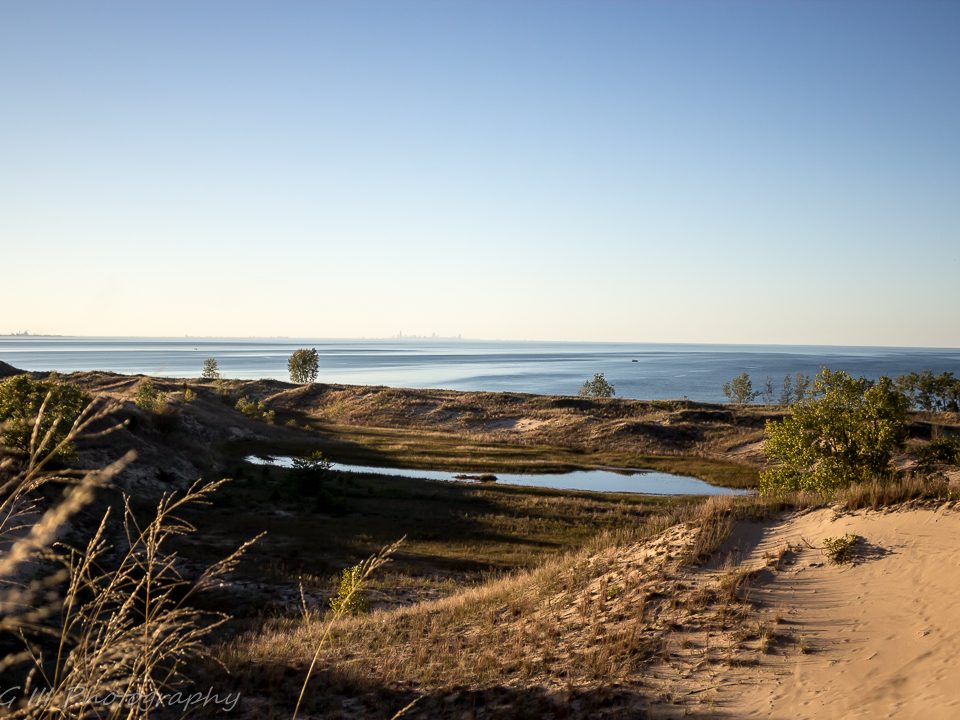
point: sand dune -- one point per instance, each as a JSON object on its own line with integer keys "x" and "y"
{"x": 883, "y": 634}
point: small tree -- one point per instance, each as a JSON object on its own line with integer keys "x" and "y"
{"x": 786, "y": 391}
{"x": 211, "y": 370}
{"x": 847, "y": 431}
{"x": 148, "y": 396}
{"x": 767, "y": 392}
{"x": 801, "y": 387}
{"x": 598, "y": 387}
{"x": 304, "y": 365}
{"x": 740, "y": 391}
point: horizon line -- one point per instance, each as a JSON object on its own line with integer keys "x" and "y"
{"x": 428, "y": 338}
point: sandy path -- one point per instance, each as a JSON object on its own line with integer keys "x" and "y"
{"x": 884, "y": 633}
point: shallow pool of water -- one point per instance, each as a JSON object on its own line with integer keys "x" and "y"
{"x": 649, "y": 482}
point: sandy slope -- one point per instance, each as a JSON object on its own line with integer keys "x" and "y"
{"x": 884, "y": 634}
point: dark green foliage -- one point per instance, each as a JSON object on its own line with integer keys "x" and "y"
{"x": 939, "y": 451}
{"x": 303, "y": 365}
{"x": 740, "y": 390}
{"x": 847, "y": 431}
{"x": 598, "y": 387}
{"x": 20, "y": 399}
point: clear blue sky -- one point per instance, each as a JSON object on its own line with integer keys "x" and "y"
{"x": 782, "y": 172}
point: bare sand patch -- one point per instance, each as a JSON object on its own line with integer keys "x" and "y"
{"x": 877, "y": 638}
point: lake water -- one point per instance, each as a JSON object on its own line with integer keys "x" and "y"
{"x": 660, "y": 371}
{"x": 648, "y": 482}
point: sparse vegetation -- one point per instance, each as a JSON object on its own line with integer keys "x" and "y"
{"x": 842, "y": 549}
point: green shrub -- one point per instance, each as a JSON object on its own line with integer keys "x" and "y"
{"x": 841, "y": 549}
{"x": 20, "y": 399}
{"x": 939, "y": 451}
{"x": 845, "y": 432}
{"x": 189, "y": 395}
{"x": 351, "y": 597}
{"x": 249, "y": 407}
{"x": 148, "y": 398}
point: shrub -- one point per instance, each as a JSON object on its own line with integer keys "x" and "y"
{"x": 939, "y": 451}
{"x": 249, "y": 407}
{"x": 21, "y": 398}
{"x": 598, "y": 387}
{"x": 351, "y": 597}
{"x": 309, "y": 471}
{"x": 148, "y": 397}
{"x": 841, "y": 549}
{"x": 847, "y": 431}
{"x": 189, "y": 395}
{"x": 303, "y": 365}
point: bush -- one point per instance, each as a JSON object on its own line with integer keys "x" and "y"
{"x": 939, "y": 451}
{"x": 20, "y": 399}
{"x": 303, "y": 365}
{"x": 249, "y": 407}
{"x": 598, "y": 387}
{"x": 148, "y": 397}
{"x": 841, "y": 549}
{"x": 351, "y": 597}
{"x": 846, "y": 432}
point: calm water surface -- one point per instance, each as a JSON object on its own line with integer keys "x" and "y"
{"x": 649, "y": 371}
{"x": 648, "y": 482}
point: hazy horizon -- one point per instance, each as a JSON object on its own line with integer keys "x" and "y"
{"x": 670, "y": 172}
{"x": 454, "y": 339}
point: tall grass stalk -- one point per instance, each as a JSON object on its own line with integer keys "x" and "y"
{"x": 111, "y": 618}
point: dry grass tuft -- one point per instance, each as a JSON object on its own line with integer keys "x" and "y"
{"x": 104, "y": 628}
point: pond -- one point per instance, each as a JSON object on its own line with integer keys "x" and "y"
{"x": 648, "y": 482}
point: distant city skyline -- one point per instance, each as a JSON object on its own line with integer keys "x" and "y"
{"x": 663, "y": 172}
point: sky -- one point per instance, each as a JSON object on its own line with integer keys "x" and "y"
{"x": 736, "y": 172}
